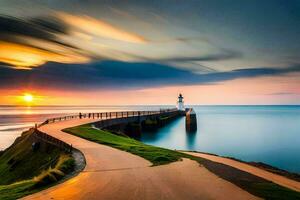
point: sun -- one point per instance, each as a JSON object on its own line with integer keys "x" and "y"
{"x": 28, "y": 98}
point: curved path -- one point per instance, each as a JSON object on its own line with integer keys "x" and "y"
{"x": 280, "y": 180}
{"x": 114, "y": 174}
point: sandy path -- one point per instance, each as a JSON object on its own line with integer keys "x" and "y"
{"x": 280, "y": 180}
{"x": 114, "y": 174}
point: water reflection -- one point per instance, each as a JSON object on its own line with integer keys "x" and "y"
{"x": 191, "y": 139}
{"x": 267, "y": 134}
{"x": 28, "y": 110}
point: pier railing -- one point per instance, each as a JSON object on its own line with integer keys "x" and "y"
{"x": 102, "y": 116}
{"x": 106, "y": 115}
{"x": 52, "y": 140}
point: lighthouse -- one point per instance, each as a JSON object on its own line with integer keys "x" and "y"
{"x": 180, "y": 105}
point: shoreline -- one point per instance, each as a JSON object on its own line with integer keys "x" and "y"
{"x": 250, "y": 169}
{"x": 261, "y": 165}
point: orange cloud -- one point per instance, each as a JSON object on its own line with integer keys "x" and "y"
{"x": 99, "y": 28}
{"x": 25, "y": 57}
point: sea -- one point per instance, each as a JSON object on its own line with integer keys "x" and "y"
{"x": 269, "y": 134}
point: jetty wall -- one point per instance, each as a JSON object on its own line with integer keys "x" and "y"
{"x": 191, "y": 120}
{"x": 134, "y": 125}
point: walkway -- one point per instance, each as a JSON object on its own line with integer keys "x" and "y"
{"x": 114, "y": 174}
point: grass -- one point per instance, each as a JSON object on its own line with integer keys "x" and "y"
{"x": 64, "y": 165}
{"x": 44, "y": 180}
{"x": 17, "y": 190}
{"x": 158, "y": 156}
{"x": 19, "y": 162}
{"x": 25, "y": 171}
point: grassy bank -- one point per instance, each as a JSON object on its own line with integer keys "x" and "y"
{"x": 253, "y": 184}
{"x": 25, "y": 170}
{"x": 156, "y": 155}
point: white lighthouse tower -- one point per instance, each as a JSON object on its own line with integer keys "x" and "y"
{"x": 180, "y": 105}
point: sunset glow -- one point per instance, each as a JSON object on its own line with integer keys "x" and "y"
{"x": 148, "y": 51}
{"x": 159, "y": 82}
{"x": 28, "y": 98}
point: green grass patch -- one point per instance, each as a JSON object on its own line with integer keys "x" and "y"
{"x": 158, "y": 156}
{"x": 25, "y": 170}
{"x": 64, "y": 165}
{"x": 17, "y": 190}
{"x": 20, "y": 162}
{"x": 44, "y": 180}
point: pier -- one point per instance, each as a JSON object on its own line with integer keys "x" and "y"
{"x": 129, "y": 122}
{"x": 132, "y": 123}
{"x": 112, "y": 118}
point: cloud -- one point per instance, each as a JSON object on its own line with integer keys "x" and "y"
{"x": 52, "y": 24}
{"x": 93, "y": 26}
{"x": 224, "y": 55}
{"x": 114, "y": 74}
{"x": 40, "y": 29}
{"x": 25, "y": 57}
{"x": 27, "y": 43}
{"x": 57, "y": 37}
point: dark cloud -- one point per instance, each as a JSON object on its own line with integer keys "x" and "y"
{"x": 44, "y": 28}
{"x": 14, "y": 26}
{"x": 51, "y": 24}
{"x": 224, "y": 55}
{"x": 113, "y": 74}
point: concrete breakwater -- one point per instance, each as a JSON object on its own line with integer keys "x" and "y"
{"x": 133, "y": 124}
{"x": 130, "y": 123}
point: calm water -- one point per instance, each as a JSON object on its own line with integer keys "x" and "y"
{"x": 270, "y": 134}
{"x": 15, "y": 119}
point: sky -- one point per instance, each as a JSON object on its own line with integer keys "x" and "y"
{"x": 93, "y": 52}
